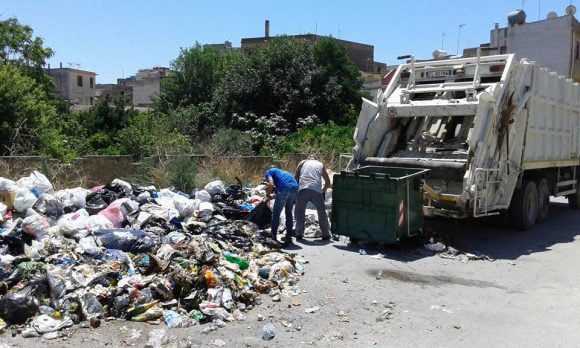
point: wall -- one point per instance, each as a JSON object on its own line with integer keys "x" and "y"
{"x": 548, "y": 42}
{"x": 143, "y": 90}
{"x": 96, "y": 170}
{"x": 66, "y": 85}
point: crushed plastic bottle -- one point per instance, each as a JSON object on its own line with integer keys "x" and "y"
{"x": 268, "y": 332}
{"x": 237, "y": 260}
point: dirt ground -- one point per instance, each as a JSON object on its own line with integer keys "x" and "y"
{"x": 527, "y": 296}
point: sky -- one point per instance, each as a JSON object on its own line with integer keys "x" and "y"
{"x": 115, "y": 38}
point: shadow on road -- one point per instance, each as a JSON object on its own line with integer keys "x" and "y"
{"x": 487, "y": 236}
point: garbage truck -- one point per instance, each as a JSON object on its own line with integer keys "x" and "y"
{"x": 498, "y": 135}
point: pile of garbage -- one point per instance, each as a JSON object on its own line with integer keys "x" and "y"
{"x": 133, "y": 252}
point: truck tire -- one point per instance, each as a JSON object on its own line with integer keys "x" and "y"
{"x": 543, "y": 201}
{"x": 524, "y": 206}
{"x": 574, "y": 199}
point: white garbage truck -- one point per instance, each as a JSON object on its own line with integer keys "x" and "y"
{"x": 499, "y": 136}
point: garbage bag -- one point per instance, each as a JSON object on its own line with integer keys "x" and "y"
{"x": 37, "y": 183}
{"x": 49, "y": 206}
{"x": 75, "y": 197}
{"x": 127, "y": 188}
{"x": 134, "y": 241}
{"x": 74, "y": 225}
{"x": 57, "y": 283}
{"x": 261, "y": 215}
{"x": 113, "y": 213}
{"x": 24, "y": 199}
{"x": 99, "y": 222}
{"x": 203, "y": 196}
{"x": 160, "y": 212}
{"x": 89, "y": 246}
{"x": 91, "y": 307}
{"x": 35, "y": 225}
{"x": 17, "y": 307}
{"x": 45, "y": 323}
{"x": 95, "y": 203}
{"x": 215, "y": 187}
{"x": 15, "y": 244}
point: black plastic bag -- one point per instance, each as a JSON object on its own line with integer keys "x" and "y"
{"x": 95, "y": 203}
{"x": 261, "y": 215}
{"x": 49, "y": 206}
{"x": 133, "y": 241}
{"x": 17, "y": 307}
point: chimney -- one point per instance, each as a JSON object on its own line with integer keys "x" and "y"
{"x": 61, "y": 65}
{"x": 48, "y": 66}
{"x": 267, "y": 29}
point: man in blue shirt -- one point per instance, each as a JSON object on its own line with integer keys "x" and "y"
{"x": 286, "y": 192}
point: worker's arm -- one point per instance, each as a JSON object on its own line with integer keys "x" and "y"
{"x": 298, "y": 170}
{"x": 326, "y": 180}
{"x": 270, "y": 187}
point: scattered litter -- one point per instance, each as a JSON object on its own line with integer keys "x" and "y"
{"x": 362, "y": 252}
{"x": 157, "y": 337}
{"x": 295, "y": 303}
{"x": 379, "y": 275}
{"x": 387, "y": 313}
{"x": 441, "y": 308}
{"x": 268, "y": 332}
{"x": 435, "y": 247}
{"x": 219, "y": 343}
{"x": 312, "y": 309}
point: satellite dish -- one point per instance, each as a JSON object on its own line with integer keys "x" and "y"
{"x": 571, "y": 10}
{"x": 552, "y": 15}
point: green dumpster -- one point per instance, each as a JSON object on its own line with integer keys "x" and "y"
{"x": 378, "y": 204}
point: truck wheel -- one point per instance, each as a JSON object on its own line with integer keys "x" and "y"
{"x": 574, "y": 199}
{"x": 524, "y": 206}
{"x": 543, "y": 201}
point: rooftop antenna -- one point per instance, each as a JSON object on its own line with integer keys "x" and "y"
{"x": 78, "y": 65}
{"x": 458, "y": 37}
{"x": 539, "y": 8}
{"x": 316, "y": 29}
{"x": 442, "y": 40}
{"x": 339, "y": 30}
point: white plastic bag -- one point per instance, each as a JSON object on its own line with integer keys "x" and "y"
{"x": 35, "y": 225}
{"x": 162, "y": 212}
{"x": 125, "y": 185}
{"x": 89, "y": 246}
{"x": 215, "y": 187}
{"x": 203, "y": 196}
{"x": 186, "y": 207}
{"x": 204, "y": 211}
{"x": 37, "y": 183}
{"x": 73, "y": 197}
{"x": 24, "y": 199}
{"x": 74, "y": 225}
{"x": 99, "y": 222}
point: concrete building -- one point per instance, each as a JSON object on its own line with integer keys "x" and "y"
{"x": 145, "y": 85}
{"x": 553, "y": 42}
{"x": 223, "y": 47}
{"x": 78, "y": 87}
{"x": 362, "y": 55}
{"x": 115, "y": 92}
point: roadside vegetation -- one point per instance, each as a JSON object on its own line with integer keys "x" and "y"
{"x": 287, "y": 97}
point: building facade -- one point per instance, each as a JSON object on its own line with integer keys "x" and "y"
{"x": 553, "y": 43}
{"x": 77, "y": 87}
{"x": 362, "y": 55}
{"x": 145, "y": 85}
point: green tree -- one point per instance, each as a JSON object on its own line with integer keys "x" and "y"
{"x": 195, "y": 74}
{"x": 27, "y": 116}
{"x": 19, "y": 48}
{"x": 339, "y": 83}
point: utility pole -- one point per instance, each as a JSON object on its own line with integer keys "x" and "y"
{"x": 442, "y": 40}
{"x": 459, "y": 37}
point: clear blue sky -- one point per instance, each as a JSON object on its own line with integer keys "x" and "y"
{"x": 115, "y": 38}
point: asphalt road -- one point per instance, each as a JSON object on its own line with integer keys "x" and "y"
{"x": 528, "y": 296}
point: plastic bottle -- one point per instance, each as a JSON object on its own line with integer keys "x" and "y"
{"x": 139, "y": 309}
{"x": 150, "y": 314}
{"x": 210, "y": 279}
{"x": 238, "y": 260}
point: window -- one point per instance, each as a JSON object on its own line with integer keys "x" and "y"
{"x": 503, "y": 50}
{"x": 91, "y": 99}
{"x": 91, "y": 82}
{"x": 79, "y": 80}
